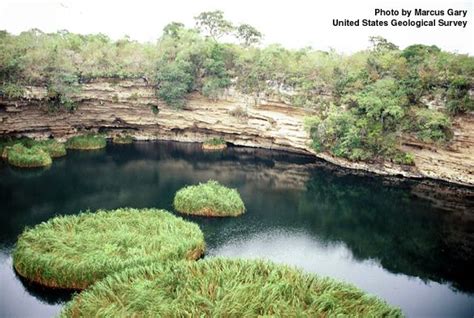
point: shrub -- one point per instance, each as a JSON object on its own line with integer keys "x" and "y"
{"x": 86, "y": 142}
{"x": 224, "y": 288}
{"x": 175, "y": 81}
{"x": 458, "y": 98}
{"x": 77, "y": 250}
{"x": 209, "y": 199}
{"x": 403, "y": 158}
{"x": 122, "y": 139}
{"x": 23, "y": 157}
{"x": 431, "y": 125}
{"x": 12, "y": 90}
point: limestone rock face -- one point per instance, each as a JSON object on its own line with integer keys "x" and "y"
{"x": 117, "y": 106}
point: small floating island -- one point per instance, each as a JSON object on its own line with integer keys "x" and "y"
{"x": 214, "y": 144}
{"x": 29, "y": 153}
{"x": 20, "y": 156}
{"x": 220, "y": 287}
{"x": 209, "y": 199}
{"x": 75, "y": 251}
{"x": 122, "y": 139}
{"x": 86, "y": 142}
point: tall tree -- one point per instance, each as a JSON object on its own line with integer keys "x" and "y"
{"x": 213, "y": 23}
{"x": 248, "y": 34}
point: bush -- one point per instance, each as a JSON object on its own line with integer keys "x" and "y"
{"x": 175, "y": 81}
{"x": 209, "y": 199}
{"x": 23, "y": 157}
{"x": 458, "y": 98}
{"x": 86, "y": 142}
{"x": 403, "y": 158}
{"x": 224, "y": 288}
{"x": 12, "y": 90}
{"x": 431, "y": 125}
{"x": 77, "y": 250}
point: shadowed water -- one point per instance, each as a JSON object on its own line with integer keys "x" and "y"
{"x": 408, "y": 242}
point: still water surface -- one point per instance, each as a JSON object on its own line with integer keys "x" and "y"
{"x": 404, "y": 241}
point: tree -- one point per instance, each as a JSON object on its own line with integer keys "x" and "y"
{"x": 248, "y": 34}
{"x": 213, "y": 23}
{"x": 172, "y": 29}
{"x": 380, "y": 44}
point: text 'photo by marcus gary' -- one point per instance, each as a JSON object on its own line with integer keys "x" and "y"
{"x": 409, "y": 18}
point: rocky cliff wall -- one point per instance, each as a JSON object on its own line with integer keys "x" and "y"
{"x": 130, "y": 106}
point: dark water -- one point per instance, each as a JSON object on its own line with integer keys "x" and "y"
{"x": 411, "y": 243}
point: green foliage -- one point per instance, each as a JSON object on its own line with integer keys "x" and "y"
{"x": 248, "y": 35}
{"x": 213, "y": 24}
{"x": 215, "y": 142}
{"x": 122, "y": 139}
{"x": 175, "y": 81}
{"x": 61, "y": 89}
{"x": 209, "y": 199}
{"x": 77, "y": 250}
{"x": 23, "y": 157}
{"x": 458, "y": 98}
{"x": 86, "y": 142}
{"x": 154, "y": 109}
{"x": 380, "y": 88}
{"x": 430, "y": 125}
{"x": 54, "y": 148}
{"x": 367, "y": 130}
{"x": 12, "y": 90}
{"x": 224, "y": 288}
{"x": 380, "y": 44}
{"x": 173, "y": 29}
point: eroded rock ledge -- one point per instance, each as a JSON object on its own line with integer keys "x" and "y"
{"x": 130, "y": 106}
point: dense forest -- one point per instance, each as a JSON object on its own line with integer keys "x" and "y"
{"x": 363, "y": 103}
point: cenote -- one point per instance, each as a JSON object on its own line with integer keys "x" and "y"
{"x": 409, "y": 242}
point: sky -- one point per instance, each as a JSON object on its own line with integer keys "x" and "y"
{"x": 292, "y": 23}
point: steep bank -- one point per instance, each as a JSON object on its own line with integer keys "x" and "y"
{"x": 130, "y": 105}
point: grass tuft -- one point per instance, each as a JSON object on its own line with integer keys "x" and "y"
{"x": 122, "y": 139}
{"x": 23, "y": 157}
{"x": 54, "y": 148}
{"x": 77, "y": 250}
{"x": 209, "y": 199}
{"x": 214, "y": 144}
{"x": 223, "y": 288}
{"x": 86, "y": 142}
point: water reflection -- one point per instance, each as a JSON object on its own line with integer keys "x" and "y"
{"x": 402, "y": 236}
{"x": 336, "y": 260}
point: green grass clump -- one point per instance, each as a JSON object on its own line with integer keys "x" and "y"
{"x": 86, "y": 142}
{"x": 77, "y": 250}
{"x": 23, "y": 157}
{"x": 223, "y": 288}
{"x": 209, "y": 199}
{"x": 53, "y": 147}
{"x": 214, "y": 144}
{"x": 126, "y": 139}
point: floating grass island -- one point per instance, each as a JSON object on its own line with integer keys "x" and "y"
{"x": 214, "y": 144}
{"x": 28, "y": 155}
{"x": 23, "y": 157}
{"x": 54, "y": 148}
{"x": 77, "y": 250}
{"x": 86, "y": 142}
{"x": 224, "y": 288}
{"x": 209, "y": 199}
{"x": 120, "y": 139}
